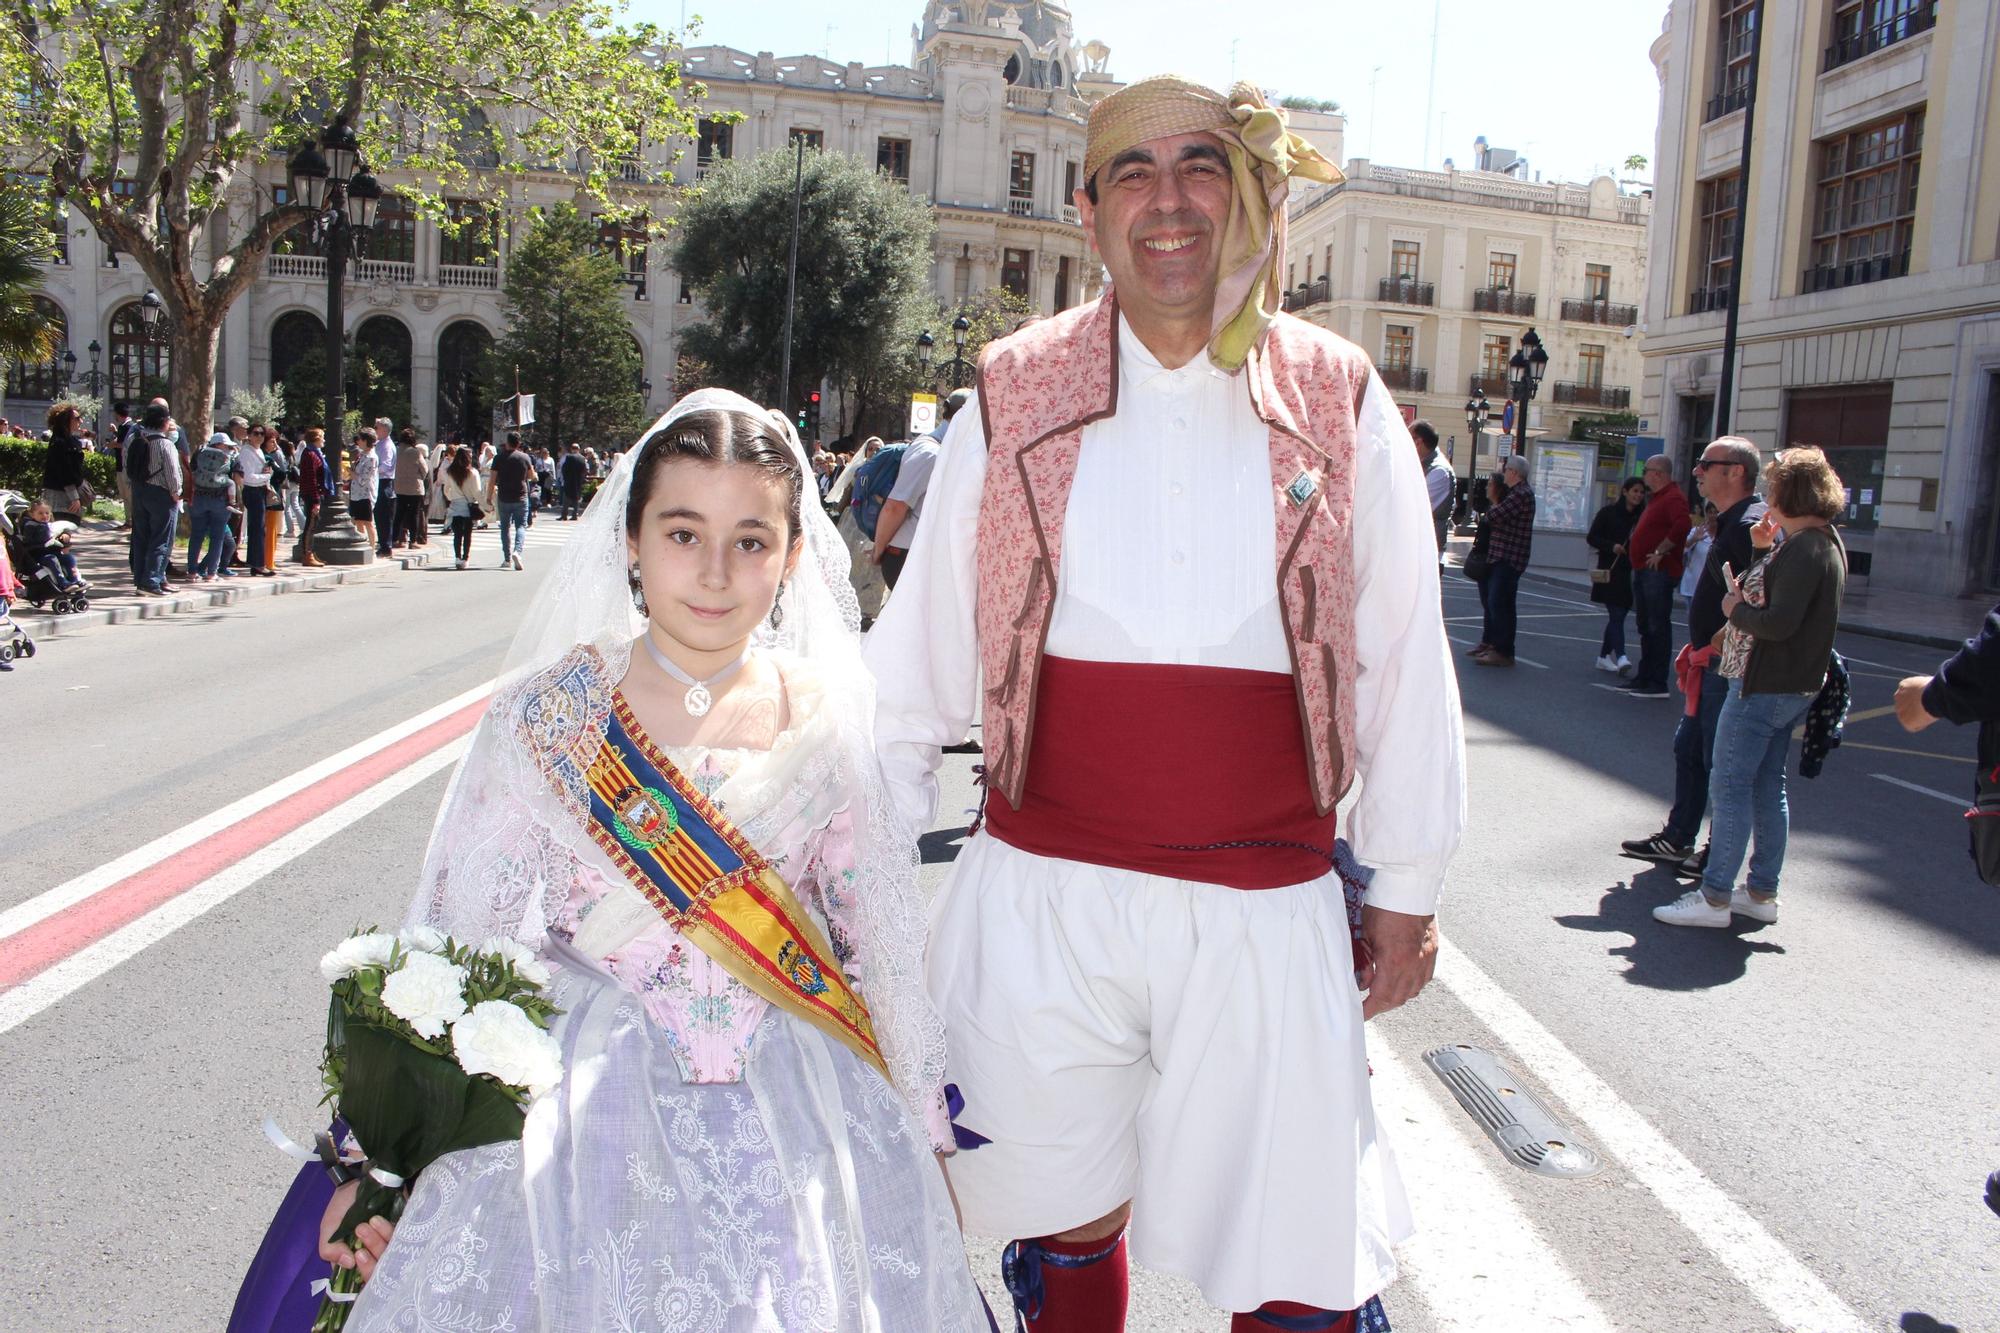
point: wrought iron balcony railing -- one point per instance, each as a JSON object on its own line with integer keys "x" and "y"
{"x": 1406, "y": 291}
{"x": 1504, "y": 301}
{"x": 1589, "y": 310}
{"x": 1615, "y": 396}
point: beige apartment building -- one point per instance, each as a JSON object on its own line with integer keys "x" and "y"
{"x": 986, "y": 122}
{"x": 1870, "y": 278}
{"x": 1438, "y": 274}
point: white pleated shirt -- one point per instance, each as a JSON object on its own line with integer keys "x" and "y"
{"x": 1169, "y": 556}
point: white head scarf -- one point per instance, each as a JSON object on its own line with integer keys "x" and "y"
{"x": 491, "y": 871}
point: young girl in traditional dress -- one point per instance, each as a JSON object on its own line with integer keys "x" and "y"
{"x": 674, "y": 799}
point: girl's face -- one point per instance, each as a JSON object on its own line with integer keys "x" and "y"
{"x": 714, "y": 545}
{"x": 1635, "y": 494}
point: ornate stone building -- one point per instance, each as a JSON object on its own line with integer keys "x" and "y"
{"x": 986, "y": 122}
{"x": 1870, "y": 278}
{"x": 1437, "y": 274}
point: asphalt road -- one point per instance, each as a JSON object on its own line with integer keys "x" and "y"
{"x": 1795, "y": 1119}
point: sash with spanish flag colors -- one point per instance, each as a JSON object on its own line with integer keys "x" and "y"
{"x": 712, "y": 886}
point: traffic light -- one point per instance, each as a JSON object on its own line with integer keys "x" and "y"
{"x": 812, "y": 415}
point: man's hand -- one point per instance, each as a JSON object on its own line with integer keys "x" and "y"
{"x": 1910, "y": 710}
{"x": 1404, "y": 950}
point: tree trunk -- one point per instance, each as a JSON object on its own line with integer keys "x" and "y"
{"x": 192, "y": 349}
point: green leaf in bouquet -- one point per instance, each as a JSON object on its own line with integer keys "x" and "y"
{"x": 409, "y": 1107}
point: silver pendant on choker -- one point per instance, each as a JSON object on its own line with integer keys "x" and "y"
{"x": 698, "y": 699}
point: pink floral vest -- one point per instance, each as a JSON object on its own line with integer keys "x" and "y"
{"x": 1037, "y": 391}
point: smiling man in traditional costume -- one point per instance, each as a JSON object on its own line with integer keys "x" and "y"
{"x": 1181, "y": 549}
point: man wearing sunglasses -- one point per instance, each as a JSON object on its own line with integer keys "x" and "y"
{"x": 1726, "y": 473}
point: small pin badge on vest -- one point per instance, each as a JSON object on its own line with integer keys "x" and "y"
{"x": 1302, "y": 488}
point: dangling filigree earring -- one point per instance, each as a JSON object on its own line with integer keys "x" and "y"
{"x": 638, "y": 590}
{"x": 778, "y": 608}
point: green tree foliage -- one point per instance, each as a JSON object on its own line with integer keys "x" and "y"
{"x": 567, "y": 335}
{"x": 864, "y": 261}
{"x": 373, "y": 389}
{"x": 881, "y": 404}
{"x": 147, "y": 114}
{"x": 25, "y": 333}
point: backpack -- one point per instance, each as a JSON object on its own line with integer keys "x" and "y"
{"x": 872, "y": 483}
{"x": 138, "y": 458}
{"x": 212, "y": 465}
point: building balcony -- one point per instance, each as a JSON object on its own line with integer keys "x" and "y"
{"x": 1828, "y": 277}
{"x": 1020, "y": 205}
{"x": 1492, "y": 387}
{"x": 1415, "y": 379}
{"x": 1723, "y": 103}
{"x": 1703, "y": 300}
{"x": 1406, "y": 291}
{"x": 1846, "y": 50}
{"x": 401, "y": 272}
{"x": 704, "y": 165}
{"x": 295, "y": 266}
{"x": 1617, "y": 397}
{"x": 476, "y": 276}
{"x": 1317, "y": 292}
{"x": 1504, "y": 301}
{"x": 1589, "y": 310}
{"x": 1070, "y": 214}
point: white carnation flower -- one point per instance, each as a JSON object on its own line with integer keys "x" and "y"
{"x": 356, "y": 952}
{"x": 423, "y": 939}
{"x": 497, "y": 1038}
{"x": 526, "y": 966}
{"x": 426, "y": 992}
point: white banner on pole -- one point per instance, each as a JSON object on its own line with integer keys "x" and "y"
{"x": 923, "y": 414}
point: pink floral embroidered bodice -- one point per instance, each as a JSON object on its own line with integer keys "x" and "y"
{"x": 711, "y": 1018}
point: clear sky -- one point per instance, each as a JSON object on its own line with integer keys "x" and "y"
{"x": 1566, "y": 82}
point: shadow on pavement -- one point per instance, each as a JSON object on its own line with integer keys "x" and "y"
{"x": 1669, "y": 957}
{"x": 1912, "y": 861}
{"x": 1914, "y": 1322}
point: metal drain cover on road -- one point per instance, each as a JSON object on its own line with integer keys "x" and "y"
{"x": 1513, "y": 1117}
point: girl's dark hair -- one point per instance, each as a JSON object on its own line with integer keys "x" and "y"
{"x": 1500, "y": 479}
{"x": 717, "y": 436}
{"x": 461, "y": 465}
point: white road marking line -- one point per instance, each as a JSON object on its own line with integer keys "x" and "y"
{"x": 37, "y": 993}
{"x": 1467, "y": 643}
{"x": 47, "y": 903}
{"x": 1961, "y": 802}
{"x": 1475, "y": 1251}
{"x": 1886, "y": 666}
{"x": 1780, "y": 1282}
{"x": 1607, "y": 685}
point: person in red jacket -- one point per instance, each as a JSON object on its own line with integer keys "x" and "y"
{"x": 1655, "y": 548}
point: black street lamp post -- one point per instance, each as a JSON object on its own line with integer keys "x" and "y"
{"x": 1477, "y": 410}
{"x": 1524, "y": 376}
{"x": 958, "y": 365}
{"x": 342, "y": 193}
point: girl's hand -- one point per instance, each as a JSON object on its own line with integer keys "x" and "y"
{"x": 1764, "y": 532}
{"x": 371, "y": 1238}
{"x": 1732, "y": 598}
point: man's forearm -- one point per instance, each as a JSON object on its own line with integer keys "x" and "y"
{"x": 889, "y": 522}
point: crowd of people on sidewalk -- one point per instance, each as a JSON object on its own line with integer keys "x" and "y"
{"x": 249, "y": 488}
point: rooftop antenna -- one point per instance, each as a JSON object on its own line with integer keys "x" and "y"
{"x": 1373, "y": 74}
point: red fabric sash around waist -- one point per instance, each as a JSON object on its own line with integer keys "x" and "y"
{"x": 1195, "y": 773}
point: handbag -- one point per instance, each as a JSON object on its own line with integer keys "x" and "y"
{"x": 475, "y": 511}
{"x": 1600, "y": 576}
{"x": 1478, "y": 564}
{"x": 1983, "y": 821}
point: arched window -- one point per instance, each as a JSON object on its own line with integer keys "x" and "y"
{"x": 378, "y": 372}
{"x": 464, "y": 403}
{"x": 140, "y": 365}
{"x": 296, "y": 335}
{"x": 41, "y": 380}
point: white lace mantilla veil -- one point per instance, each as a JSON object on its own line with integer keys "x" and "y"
{"x": 502, "y": 854}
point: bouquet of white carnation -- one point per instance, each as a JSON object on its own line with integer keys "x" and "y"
{"x": 431, "y": 1047}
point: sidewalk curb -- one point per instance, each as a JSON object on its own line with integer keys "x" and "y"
{"x": 44, "y": 624}
{"x": 1920, "y": 639}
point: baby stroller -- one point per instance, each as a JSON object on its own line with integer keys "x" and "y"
{"x": 14, "y": 641}
{"x": 37, "y": 587}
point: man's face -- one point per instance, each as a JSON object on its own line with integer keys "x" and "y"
{"x": 1158, "y": 222}
{"x": 1656, "y": 476}
{"x": 1715, "y": 476}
